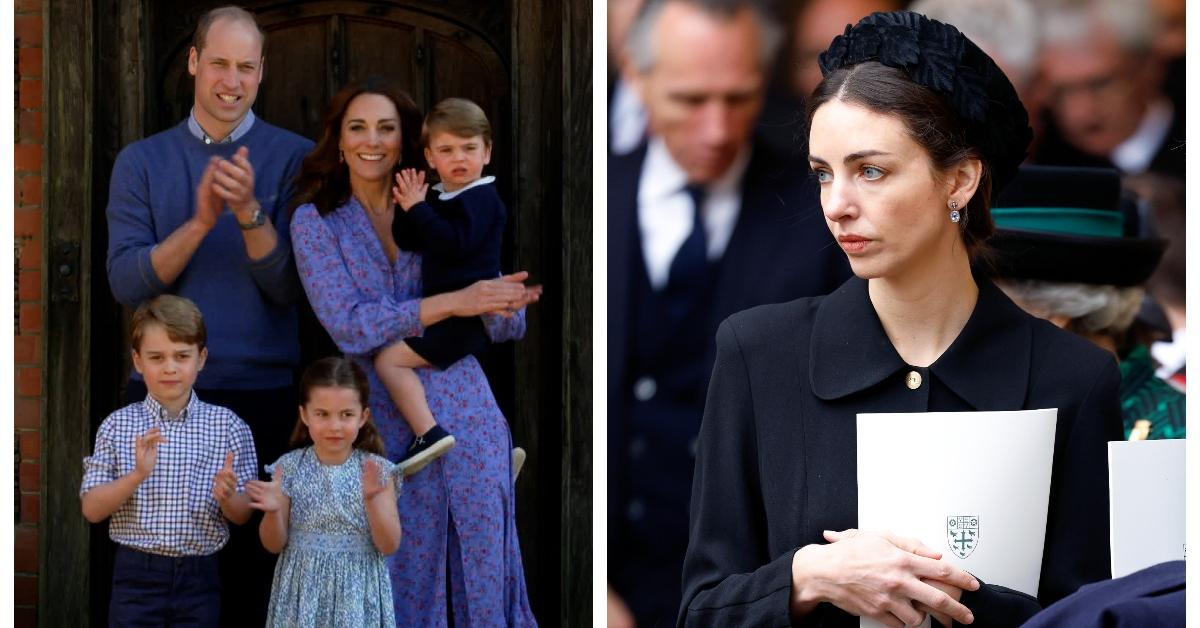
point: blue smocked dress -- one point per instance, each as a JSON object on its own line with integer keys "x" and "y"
{"x": 330, "y": 573}
{"x": 460, "y": 552}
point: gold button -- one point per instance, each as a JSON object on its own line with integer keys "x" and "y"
{"x": 913, "y": 380}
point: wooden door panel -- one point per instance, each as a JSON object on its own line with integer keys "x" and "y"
{"x": 294, "y": 90}
{"x": 461, "y": 72}
{"x": 388, "y": 50}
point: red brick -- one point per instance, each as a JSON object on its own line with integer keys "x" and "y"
{"x": 30, "y": 286}
{"x": 31, "y": 445}
{"x": 31, "y": 94}
{"x": 31, "y": 317}
{"x": 24, "y": 589}
{"x": 25, "y": 350}
{"x": 25, "y": 558}
{"x": 30, "y": 476}
{"x": 31, "y": 507}
{"x": 24, "y": 617}
{"x": 30, "y": 127}
{"x": 29, "y": 381}
{"x": 31, "y": 253}
{"x": 27, "y": 223}
{"x": 29, "y": 157}
{"x": 27, "y": 413}
{"x": 28, "y": 30}
{"x": 30, "y": 62}
{"x": 31, "y": 190}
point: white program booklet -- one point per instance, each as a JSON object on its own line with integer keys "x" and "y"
{"x": 972, "y": 485}
{"x": 1146, "y": 502}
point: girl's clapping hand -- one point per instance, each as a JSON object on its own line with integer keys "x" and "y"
{"x": 371, "y": 485}
{"x": 268, "y": 496}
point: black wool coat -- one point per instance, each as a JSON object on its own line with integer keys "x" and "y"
{"x": 777, "y": 450}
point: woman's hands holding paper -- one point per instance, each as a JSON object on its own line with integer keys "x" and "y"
{"x": 891, "y": 579}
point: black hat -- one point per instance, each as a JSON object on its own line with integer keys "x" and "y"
{"x": 1067, "y": 225}
{"x": 940, "y": 58}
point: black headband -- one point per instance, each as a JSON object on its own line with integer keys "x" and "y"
{"x": 940, "y": 58}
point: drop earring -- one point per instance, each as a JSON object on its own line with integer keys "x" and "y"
{"x": 954, "y": 215}
{"x": 341, "y": 158}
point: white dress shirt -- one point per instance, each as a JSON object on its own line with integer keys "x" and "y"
{"x": 665, "y": 212}
{"x": 626, "y": 119}
{"x": 1134, "y": 155}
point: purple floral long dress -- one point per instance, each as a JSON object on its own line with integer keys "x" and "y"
{"x": 458, "y": 514}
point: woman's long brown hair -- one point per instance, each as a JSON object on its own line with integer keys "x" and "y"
{"x": 324, "y": 180}
{"x": 336, "y": 372}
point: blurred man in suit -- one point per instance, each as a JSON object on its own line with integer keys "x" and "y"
{"x": 1104, "y": 90}
{"x": 702, "y": 223}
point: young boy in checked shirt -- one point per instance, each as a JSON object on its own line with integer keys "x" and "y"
{"x": 169, "y": 471}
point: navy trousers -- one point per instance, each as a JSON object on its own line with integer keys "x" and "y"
{"x": 152, "y": 590}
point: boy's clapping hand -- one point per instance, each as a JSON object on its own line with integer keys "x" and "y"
{"x": 410, "y": 188}
{"x": 268, "y": 496}
{"x": 146, "y": 452}
{"x": 225, "y": 482}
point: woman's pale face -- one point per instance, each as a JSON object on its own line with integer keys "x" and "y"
{"x": 370, "y": 138}
{"x": 879, "y": 193}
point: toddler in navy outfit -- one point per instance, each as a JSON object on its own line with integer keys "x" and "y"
{"x": 169, "y": 471}
{"x": 460, "y": 233}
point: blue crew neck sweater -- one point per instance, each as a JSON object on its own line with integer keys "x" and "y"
{"x": 248, "y": 306}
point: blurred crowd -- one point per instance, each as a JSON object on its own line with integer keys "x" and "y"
{"x": 711, "y": 211}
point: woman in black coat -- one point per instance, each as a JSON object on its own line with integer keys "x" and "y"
{"x": 911, "y": 131}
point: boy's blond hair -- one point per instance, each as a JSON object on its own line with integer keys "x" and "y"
{"x": 178, "y": 316}
{"x": 457, "y": 116}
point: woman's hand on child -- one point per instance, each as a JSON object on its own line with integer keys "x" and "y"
{"x": 268, "y": 496}
{"x": 146, "y": 452}
{"x": 410, "y": 188}
{"x": 371, "y": 484}
{"x": 225, "y": 482}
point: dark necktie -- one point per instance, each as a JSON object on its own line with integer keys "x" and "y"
{"x": 689, "y": 269}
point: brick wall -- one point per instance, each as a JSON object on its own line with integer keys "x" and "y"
{"x": 28, "y": 348}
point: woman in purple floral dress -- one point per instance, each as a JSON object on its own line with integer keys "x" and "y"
{"x": 459, "y": 557}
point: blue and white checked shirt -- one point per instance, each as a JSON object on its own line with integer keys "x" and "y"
{"x": 172, "y": 512}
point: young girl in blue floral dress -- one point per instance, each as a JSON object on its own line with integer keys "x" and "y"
{"x": 330, "y": 508}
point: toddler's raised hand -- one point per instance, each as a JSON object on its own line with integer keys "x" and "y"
{"x": 225, "y": 482}
{"x": 145, "y": 452}
{"x": 410, "y": 188}
{"x": 268, "y": 496}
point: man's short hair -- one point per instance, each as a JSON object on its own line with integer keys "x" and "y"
{"x": 1070, "y": 22}
{"x": 230, "y": 12}
{"x": 178, "y": 316}
{"x": 641, "y": 45}
{"x": 459, "y": 117}
{"x": 1007, "y": 27}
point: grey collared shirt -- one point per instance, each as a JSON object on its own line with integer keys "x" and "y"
{"x": 241, "y": 129}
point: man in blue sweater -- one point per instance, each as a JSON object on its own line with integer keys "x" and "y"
{"x": 200, "y": 210}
